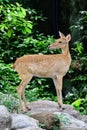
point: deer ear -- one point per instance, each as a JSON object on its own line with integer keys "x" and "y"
{"x": 68, "y": 37}
{"x": 61, "y": 34}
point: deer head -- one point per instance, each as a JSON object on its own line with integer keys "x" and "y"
{"x": 61, "y": 42}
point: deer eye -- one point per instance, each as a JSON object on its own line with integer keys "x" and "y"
{"x": 60, "y": 42}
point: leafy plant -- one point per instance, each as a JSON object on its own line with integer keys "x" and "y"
{"x": 81, "y": 27}
{"x": 77, "y": 103}
{"x": 9, "y": 101}
{"x": 40, "y": 89}
{"x": 16, "y": 29}
{"x": 60, "y": 118}
{"x": 13, "y": 20}
{"x": 13, "y": 28}
{"x": 8, "y": 78}
{"x": 83, "y": 106}
{"x": 78, "y": 79}
{"x": 78, "y": 75}
{"x": 17, "y": 43}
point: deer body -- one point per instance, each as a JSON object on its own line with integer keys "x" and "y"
{"x": 52, "y": 66}
{"x": 48, "y": 65}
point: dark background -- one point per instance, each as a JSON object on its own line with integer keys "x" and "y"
{"x": 60, "y": 14}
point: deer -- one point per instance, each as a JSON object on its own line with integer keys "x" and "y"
{"x": 54, "y": 66}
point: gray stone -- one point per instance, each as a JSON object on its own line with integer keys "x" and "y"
{"x": 23, "y": 121}
{"x": 68, "y": 122}
{"x": 42, "y": 106}
{"x": 83, "y": 118}
{"x": 43, "y": 111}
{"x": 32, "y": 128}
{"x": 45, "y": 118}
{"x": 5, "y": 118}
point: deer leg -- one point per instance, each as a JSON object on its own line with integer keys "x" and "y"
{"x": 58, "y": 85}
{"x": 21, "y": 89}
{"x": 25, "y": 101}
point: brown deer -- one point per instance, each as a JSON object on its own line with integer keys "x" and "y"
{"x": 53, "y": 66}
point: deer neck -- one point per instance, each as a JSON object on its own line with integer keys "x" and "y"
{"x": 66, "y": 52}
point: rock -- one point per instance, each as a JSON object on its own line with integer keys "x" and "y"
{"x": 32, "y": 128}
{"x": 45, "y": 106}
{"x": 23, "y": 121}
{"x": 43, "y": 111}
{"x": 83, "y": 118}
{"x": 11, "y": 100}
{"x": 5, "y": 118}
{"x": 45, "y": 118}
{"x": 47, "y": 113}
{"x": 69, "y": 122}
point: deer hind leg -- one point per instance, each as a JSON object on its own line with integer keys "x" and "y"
{"x": 58, "y": 85}
{"x": 20, "y": 90}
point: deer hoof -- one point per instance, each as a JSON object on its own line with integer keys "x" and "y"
{"x": 61, "y": 107}
{"x": 28, "y": 108}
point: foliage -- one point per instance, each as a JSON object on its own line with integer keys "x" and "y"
{"x": 13, "y": 20}
{"x": 17, "y": 43}
{"x": 56, "y": 122}
{"x": 78, "y": 75}
{"x": 60, "y": 118}
{"x": 81, "y": 28}
{"x": 18, "y": 36}
{"x": 16, "y": 29}
{"x": 13, "y": 28}
{"x": 77, "y": 104}
{"x": 80, "y": 105}
{"x": 36, "y": 89}
{"x": 40, "y": 89}
{"x": 34, "y": 17}
{"x": 9, "y": 101}
{"x": 8, "y": 78}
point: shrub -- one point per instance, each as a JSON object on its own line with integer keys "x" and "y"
{"x": 37, "y": 89}
{"x": 15, "y": 41}
{"x": 9, "y": 101}
{"x": 9, "y": 79}
{"x": 78, "y": 75}
{"x": 13, "y": 28}
{"x": 17, "y": 36}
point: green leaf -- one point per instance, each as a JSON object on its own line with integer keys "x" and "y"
{"x": 23, "y": 12}
{"x": 24, "y": 31}
{"x": 30, "y": 25}
{"x": 2, "y": 26}
{"x": 79, "y": 47}
{"x": 77, "y": 103}
{"x": 10, "y": 32}
{"x": 28, "y": 30}
{"x": 18, "y": 4}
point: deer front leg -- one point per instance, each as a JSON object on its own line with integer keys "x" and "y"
{"x": 21, "y": 94}
{"x": 25, "y": 101}
{"x": 58, "y": 85}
